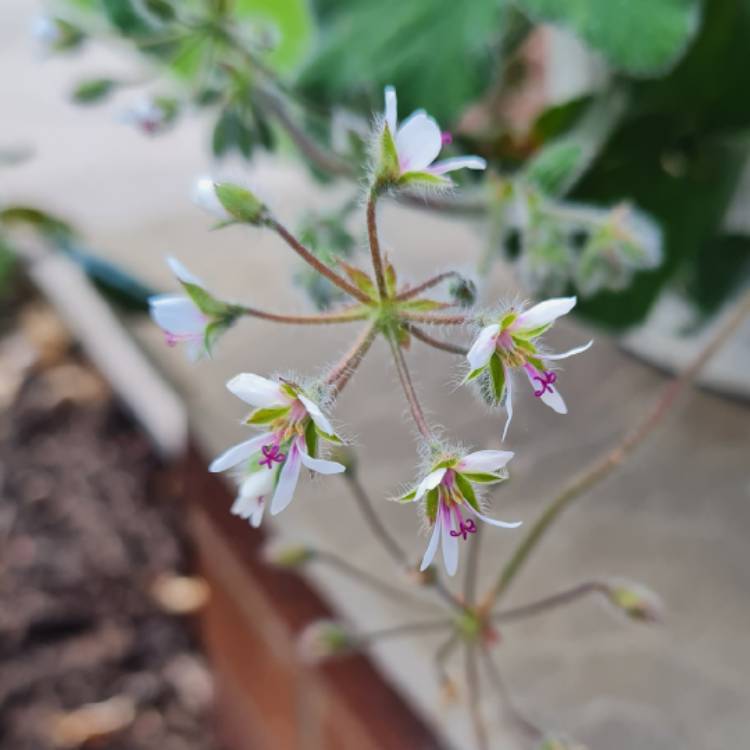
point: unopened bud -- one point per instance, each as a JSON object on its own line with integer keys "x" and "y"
{"x": 55, "y": 34}
{"x": 152, "y": 114}
{"x": 463, "y": 291}
{"x": 229, "y": 202}
{"x": 287, "y": 555}
{"x": 323, "y": 639}
{"x": 634, "y": 600}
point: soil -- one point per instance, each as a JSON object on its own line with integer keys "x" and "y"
{"x": 92, "y": 566}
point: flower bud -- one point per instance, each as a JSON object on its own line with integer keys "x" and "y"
{"x": 463, "y": 291}
{"x": 322, "y": 639}
{"x": 229, "y": 202}
{"x": 634, "y": 600}
{"x": 55, "y": 34}
{"x": 152, "y": 114}
{"x": 287, "y": 555}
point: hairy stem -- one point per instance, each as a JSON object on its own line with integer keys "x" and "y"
{"x": 433, "y": 319}
{"x": 316, "y": 263}
{"x": 372, "y": 233}
{"x": 366, "y": 578}
{"x": 604, "y": 466}
{"x": 339, "y": 376}
{"x": 409, "y": 391}
{"x": 321, "y": 319}
{"x": 425, "y": 285}
{"x": 473, "y": 696}
{"x": 444, "y": 346}
{"x": 549, "y": 602}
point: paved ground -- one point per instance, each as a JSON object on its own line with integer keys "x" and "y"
{"x": 675, "y": 518}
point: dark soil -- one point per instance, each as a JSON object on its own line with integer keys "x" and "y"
{"x": 88, "y": 521}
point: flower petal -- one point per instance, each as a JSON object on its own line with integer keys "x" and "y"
{"x": 544, "y": 313}
{"x": 391, "y": 109}
{"x": 287, "y": 480}
{"x": 237, "y": 453}
{"x": 553, "y": 399}
{"x": 494, "y": 521}
{"x": 418, "y": 142}
{"x": 429, "y": 553}
{"x": 458, "y": 162}
{"x": 321, "y": 465}
{"x": 483, "y": 347}
{"x": 508, "y": 403}
{"x": 316, "y": 414}
{"x": 204, "y": 195}
{"x": 450, "y": 548}
{"x": 179, "y": 270}
{"x": 251, "y": 491}
{"x": 176, "y": 314}
{"x": 431, "y": 481}
{"x": 257, "y": 391}
{"x": 570, "y": 352}
{"x": 484, "y": 461}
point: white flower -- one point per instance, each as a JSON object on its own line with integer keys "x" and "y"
{"x": 511, "y": 344}
{"x": 178, "y": 316}
{"x": 419, "y": 140}
{"x": 271, "y": 462}
{"x": 204, "y": 196}
{"x": 449, "y": 488}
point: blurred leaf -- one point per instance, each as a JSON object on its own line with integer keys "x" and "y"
{"x": 46, "y": 224}
{"x": 231, "y": 133}
{"x": 553, "y": 168}
{"x": 639, "y": 37}
{"x": 559, "y": 118}
{"x": 122, "y": 14}
{"x": 292, "y": 22}
{"x": 722, "y": 266}
{"x": 438, "y": 54}
{"x": 93, "y": 91}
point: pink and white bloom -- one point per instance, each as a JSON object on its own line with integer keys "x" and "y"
{"x": 269, "y": 464}
{"x": 178, "y": 316}
{"x": 449, "y": 491}
{"x": 512, "y": 343}
{"x": 418, "y": 141}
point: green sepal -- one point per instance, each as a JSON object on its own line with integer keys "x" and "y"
{"x": 467, "y": 491}
{"x": 497, "y": 378}
{"x": 408, "y": 497}
{"x": 423, "y": 179}
{"x": 483, "y": 477}
{"x": 240, "y": 203}
{"x": 526, "y": 346}
{"x": 531, "y": 333}
{"x": 359, "y": 278}
{"x": 508, "y": 319}
{"x": 266, "y": 415}
{"x": 537, "y": 362}
{"x": 212, "y": 334}
{"x": 93, "y": 91}
{"x": 422, "y": 305}
{"x": 391, "y": 281}
{"x": 474, "y": 374}
{"x": 311, "y": 438}
{"x": 431, "y": 504}
{"x": 207, "y": 303}
{"x": 446, "y": 463}
{"x": 388, "y": 168}
{"x": 330, "y": 437}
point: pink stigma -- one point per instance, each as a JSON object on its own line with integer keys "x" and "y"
{"x": 272, "y": 454}
{"x": 546, "y": 380}
{"x": 446, "y": 138}
{"x": 464, "y": 529}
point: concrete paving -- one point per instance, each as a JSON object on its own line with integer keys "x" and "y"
{"x": 676, "y": 517}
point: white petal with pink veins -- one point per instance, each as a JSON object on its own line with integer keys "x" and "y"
{"x": 316, "y": 414}
{"x": 288, "y": 478}
{"x": 429, "y": 554}
{"x": 481, "y": 461}
{"x": 483, "y": 347}
{"x": 544, "y": 313}
{"x": 321, "y": 465}
{"x": 494, "y": 521}
{"x": 569, "y": 353}
{"x": 418, "y": 142}
{"x": 257, "y": 391}
{"x": 458, "y": 162}
{"x": 237, "y": 453}
{"x": 431, "y": 481}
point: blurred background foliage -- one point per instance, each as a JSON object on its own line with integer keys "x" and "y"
{"x": 613, "y": 195}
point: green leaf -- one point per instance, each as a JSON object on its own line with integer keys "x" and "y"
{"x": 231, "y": 133}
{"x": 291, "y": 22}
{"x": 46, "y": 224}
{"x": 497, "y": 378}
{"x": 267, "y": 415}
{"x": 639, "y": 37}
{"x": 311, "y": 438}
{"x": 467, "y": 491}
{"x": 93, "y": 91}
{"x": 124, "y": 17}
{"x": 439, "y": 55}
{"x": 431, "y": 504}
{"x": 553, "y": 167}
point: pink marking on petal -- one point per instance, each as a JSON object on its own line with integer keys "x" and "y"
{"x": 446, "y": 138}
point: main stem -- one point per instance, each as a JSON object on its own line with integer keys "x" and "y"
{"x": 372, "y": 233}
{"x": 409, "y": 391}
{"x": 316, "y": 263}
{"x": 602, "y": 468}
